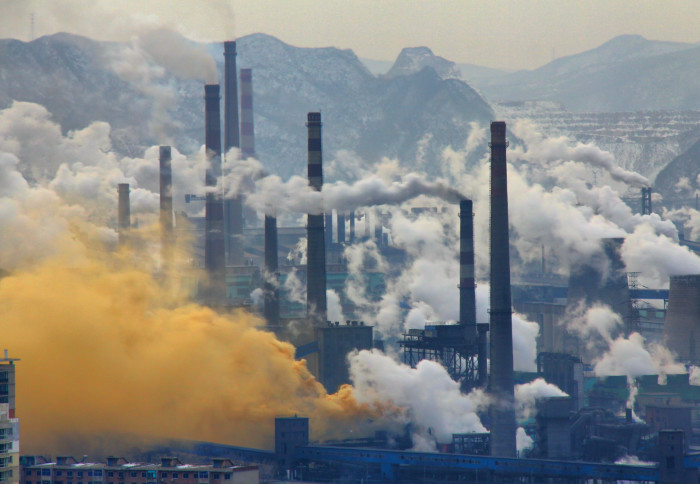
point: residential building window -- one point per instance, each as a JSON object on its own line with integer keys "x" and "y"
{"x": 216, "y": 475}
{"x": 165, "y": 474}
{"x": 80, "y": 474}
{"x": 29, "y": 472}
{"x": 133, "y": 474}
{"x": 110, "y": 474}
{"x": 69, "y": 474}
{"x": 185, "y": 475}
{"x": 45, "y": 472}
{"x": 227, "y": 476}
{"x": 174, "y": 475}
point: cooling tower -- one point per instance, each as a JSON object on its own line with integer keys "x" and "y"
{"x": 682, "y": 326}
{"x": 601, "y": 279}
{"x": 271, "y": 309}
{"x": 341, "y": 228}
{"x": 166, "y": 201}
{"x": 247, "y": 125}
{"x": 124, "y": 213}
{"x": 233, "y": 207}
{"x": 467, "y": 296}
{"x": 214, "y": 251}
{"x": 316, "y": 248}
{"x": 503, "y": 425}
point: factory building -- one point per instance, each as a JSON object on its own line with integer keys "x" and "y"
{"x": 118, "y": 470}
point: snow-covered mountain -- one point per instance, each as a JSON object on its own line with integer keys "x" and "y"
{"x": 409, "y": 116}
{"x": 643, "y": 141}
{"x": 415, "y": 59}
{"x": 627, "y": 73}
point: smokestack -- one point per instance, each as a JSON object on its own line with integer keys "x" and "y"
{"x": 503, "y": 425}
{"x": 352, "y": 227}
{"x": 233, "y": 207}
{"x": 124, "y": 214}
{"x": 467, "y": 296}
{"x": 378, "y": 230}
{"x": 214, "y": 250}
{"x": 166, "y": 202}
{"x": 316, "y": 247}
{"x": 328, "y": 228}
{"x": 341, "y": 228}
{"x": 271, "y": 307}
{"x": 247, "y": 126}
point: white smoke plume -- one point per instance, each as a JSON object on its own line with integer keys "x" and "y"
{"x": 597, "y": 320}
{"x": 548, "y": 150}
{"x": 694, "y": 375}
{"x": 527, "y": 395}
{"x": 295, "y": 195}
{"x": 432, "y": 401}
{"x": 523, "y": 441}
{"x": 335, "y": 310}
{"x": 633, "y": 460}
{"x": 629, "y": 356}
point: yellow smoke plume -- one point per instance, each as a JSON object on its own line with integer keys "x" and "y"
{"x": 106, "y": 351}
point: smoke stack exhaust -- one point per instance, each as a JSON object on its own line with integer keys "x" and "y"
{"x": 503, "y": 427}
{"x": 214, "y": 250}
{"x": 247, "y": 122}
{"x": 271, "y": 309}
{"x": 233, "y": 207}
{"x": 166, "y": 202}
{"x": 467, "y": 296}
{"x": 124, "y": 213}
{"x": 316, "y": 247}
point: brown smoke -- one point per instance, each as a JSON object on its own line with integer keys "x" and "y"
{"x": 105, "y": 351}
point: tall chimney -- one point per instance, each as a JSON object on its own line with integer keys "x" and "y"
{"x": 271, "y": 309}
{"x": 247, "y": 122}
{"x": 214, "y": 250}
{"x": 233, "y": 207}
{"x": 352, "y": 227}
{"x": 124, "y": 213}
{"x": 166, "y": 203}
{"x": 503, "y": 425}
{"x": 341, "y": 228}
{"x": 467, "y": 296}
{"x": 316, "y": 247}
{"x": 328, "y": 222}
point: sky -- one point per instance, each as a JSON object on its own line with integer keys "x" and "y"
{"x": 506, "y": 34}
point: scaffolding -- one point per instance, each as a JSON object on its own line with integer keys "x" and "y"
{"x": 456, "y": 347}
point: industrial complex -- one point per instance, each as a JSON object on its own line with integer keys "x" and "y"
{"x": 593, "y": 428}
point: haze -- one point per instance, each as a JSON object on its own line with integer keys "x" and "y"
{"x": 499, "y": 33}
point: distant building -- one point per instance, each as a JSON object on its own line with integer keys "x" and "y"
{"x": 118, "y": 470}
{"x": 9, "y": 423}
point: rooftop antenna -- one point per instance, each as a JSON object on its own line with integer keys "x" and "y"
{"x": 31, "y": 27}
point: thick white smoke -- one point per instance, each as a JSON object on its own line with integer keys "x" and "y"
{"x": 527, "y": 395}
{"x": 629, "y": 356}
{"x": 431, "y": 400}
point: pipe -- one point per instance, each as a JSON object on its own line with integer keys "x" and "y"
{"x": 341, "y": 228}
{"x": 467, "y": 296}
{"x": 352, "y": 227}
{"x": 124, "y": 213}
{"x": 328, "y": 221}
{"x": 316, "y": 249}
{"x": 233, "y": 207}
{"x": 271, "y": 309}
{"x": 166, "y": 203}
{"x": 214, "y": 249}
{"x": 503, "y": 427}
